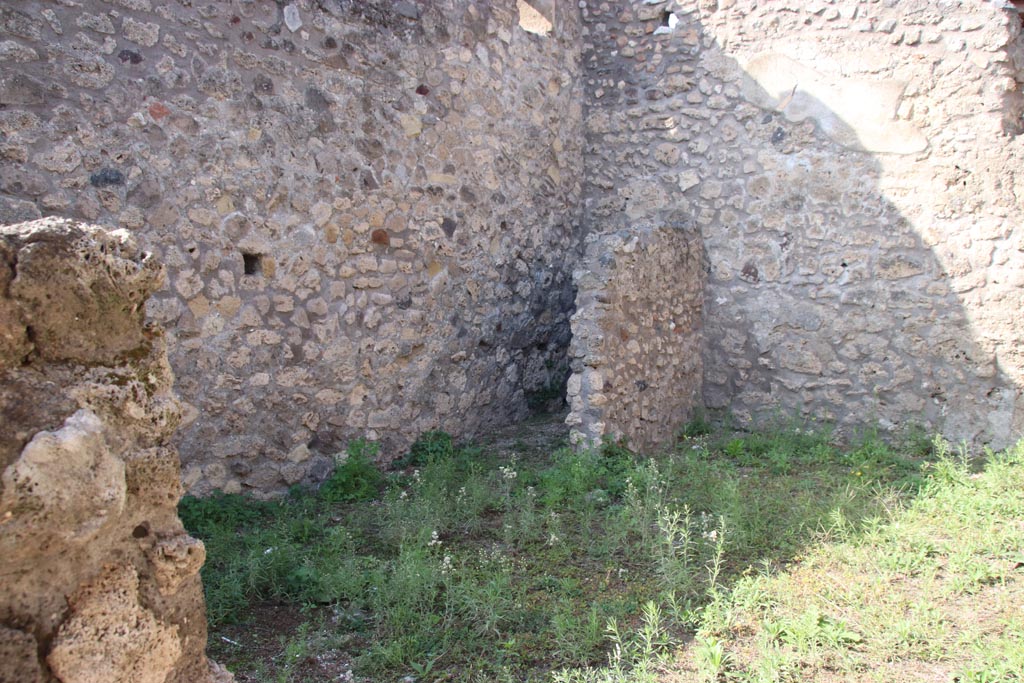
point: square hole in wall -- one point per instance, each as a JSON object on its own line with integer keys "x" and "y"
{"x": 251, "y": 263}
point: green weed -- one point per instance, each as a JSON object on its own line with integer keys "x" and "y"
{"x": 712, "y": 658}
{"x": 467, "y": 566}
{"x": 355, "y": 478}
{"x": 430, "y": 447}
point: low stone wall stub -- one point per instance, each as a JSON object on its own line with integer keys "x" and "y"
{"x": 100, "y": 579}
{"x": 854, "y": 170}
{"x": 637, "y": 336}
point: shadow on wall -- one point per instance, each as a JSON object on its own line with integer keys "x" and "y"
{"x": 824, "y": 299}
{"x": 368, "y": 209}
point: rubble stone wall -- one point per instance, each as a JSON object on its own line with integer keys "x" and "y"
{"x": 368, "y": 210}
{"x": 636, "y": 336}
{"x": 100, "y": 579}
{"x": 855, "y": 169}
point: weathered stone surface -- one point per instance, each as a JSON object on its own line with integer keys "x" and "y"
{"x": 19, "y": 658}
{"x": 67, "y": 485}
{"x": 96, "y": 564}
{"x": 859, "y": 114}
{"x": 370, "y": 212}
{"x": 367, "y": 194}
{"x": 174, "y": 560}
{"x": 103, "y": 288}
{"x": 14, "y": 342}
{"x": 853, "y": 172}
{"x": 17, "y": 211}
{"x": 110, "y": 636}
{"x": 637, "y": 336}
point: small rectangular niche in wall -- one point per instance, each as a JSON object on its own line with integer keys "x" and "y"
{"x": 533, "y": 19}
{"x": 251, "y": 264}
{"x": 669, "y": 21}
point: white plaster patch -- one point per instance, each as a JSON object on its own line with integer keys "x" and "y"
{"x": 858, "y": 114}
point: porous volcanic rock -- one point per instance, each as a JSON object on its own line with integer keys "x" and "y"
{"x": 100, "y": 581}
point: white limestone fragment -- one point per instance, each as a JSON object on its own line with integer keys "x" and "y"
{"x": 291, "y": 18}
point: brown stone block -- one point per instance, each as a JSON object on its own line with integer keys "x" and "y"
{"x": 19, "y": 659}
{"x": 93, "y": 646}
{"x": 80, "y": 291}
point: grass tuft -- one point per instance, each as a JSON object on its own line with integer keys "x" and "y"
{"x": 768, "y": 556}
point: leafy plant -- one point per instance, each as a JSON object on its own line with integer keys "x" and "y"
{"x": 295, "y": 650}
{"x": 698, "y": 425}
{"x": 356, "y": 477}
{"x": 597, "y": 476}
{"x": 712, "y": 658}
{"x": 431, "y": 447}
{"x": 220, "y": 513}
{"x": 812, "y": 628}
{"x": 578, "y": 636}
